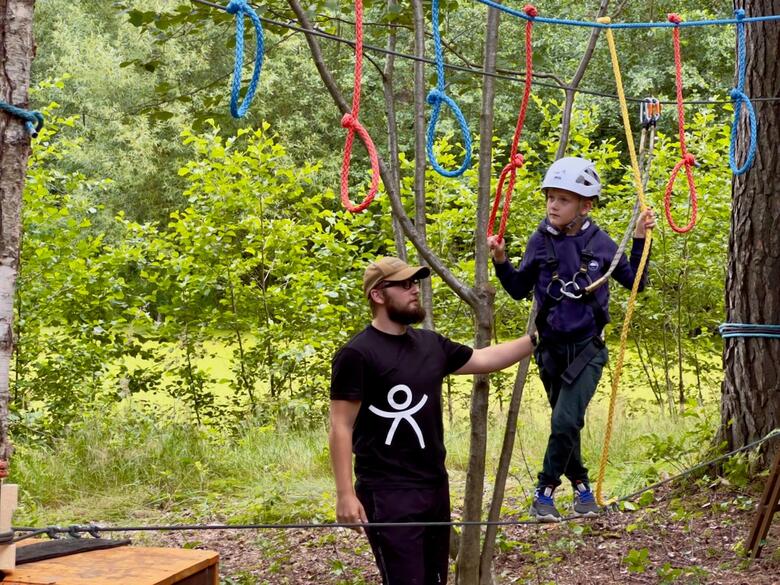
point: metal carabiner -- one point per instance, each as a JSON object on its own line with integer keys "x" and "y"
{"x": 555, "y": 279}
{"x": 582, "y": 274}
{"x": 576, "y": 288}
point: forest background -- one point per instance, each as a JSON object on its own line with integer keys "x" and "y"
{"x": 186, "y": 277}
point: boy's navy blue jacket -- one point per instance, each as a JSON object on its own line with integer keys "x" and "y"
{"x": 569, "y": 319}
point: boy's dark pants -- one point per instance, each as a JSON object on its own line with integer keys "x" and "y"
{"x": 568, "y": 402}
{"x": 416, "y": 555}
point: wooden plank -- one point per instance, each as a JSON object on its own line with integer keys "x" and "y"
{"x": 118, "y": 566}
{"x": 769, "y": 504}
{"x": 9, "y": 495}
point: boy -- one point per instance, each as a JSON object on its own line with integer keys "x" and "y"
{"x": 564, "y": 255}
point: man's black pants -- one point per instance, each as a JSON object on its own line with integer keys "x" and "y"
{"x": 409, "y": 555}
{"x": 568, "y": 403}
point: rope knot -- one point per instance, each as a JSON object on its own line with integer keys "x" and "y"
{"x": 739, "y": 13}
{"x": 349, "y": 121}
{"x": 235, "y": 6}
{"x": 689, "y": 159}
{"x": 735, "y": 94}
{"x": 517, "y": 161}
{"x": 674, "y": 17}
{"x": 435, "y": 97}
{"x": 531, "y": 10}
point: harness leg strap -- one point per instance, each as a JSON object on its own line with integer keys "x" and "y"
{"x": 583, "y": 359}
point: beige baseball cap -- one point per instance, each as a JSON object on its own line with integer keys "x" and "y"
{"x": 392, "y": 269}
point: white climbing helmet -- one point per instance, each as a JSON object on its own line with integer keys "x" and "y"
{"x": 573, "y": 174}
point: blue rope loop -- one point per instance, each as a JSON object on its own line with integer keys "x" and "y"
{"x": 33, "y": 121}
{"x": 438, "y": 96}
{"x": 627, "y": 25}
{"x": 241, "y": 9}
{"x": 435, "y": 99}
{"x": 731, "y": 330}
{"x": 739, "y": 98}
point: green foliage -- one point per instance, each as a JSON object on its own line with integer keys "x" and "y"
{"x": 637, "y": 561}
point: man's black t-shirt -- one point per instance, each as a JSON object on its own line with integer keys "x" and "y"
{"x": 398, "y": 438}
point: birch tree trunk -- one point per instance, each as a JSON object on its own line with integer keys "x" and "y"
{"x": 16, "y": 53}
{"x": 750, "y": 404}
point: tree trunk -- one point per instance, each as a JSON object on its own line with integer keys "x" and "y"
{"x": 469, "y": 553}
{"x": 16, "y": 54}
{"x": 750, "y": 405}
{"x": 420, "y": 216}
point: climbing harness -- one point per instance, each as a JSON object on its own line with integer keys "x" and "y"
{"x": 574, "y": 288}
{"x": 437, "y": 97}
{"x": 739, "y": 98}
{"x": 687, "y": 160}
{"x": 516, "y": 160}
{"x": 33, "y": 121}
{"x": 353, "y": 126}
{"x": 642, "y": 262}
{"x": 242, "y": 8}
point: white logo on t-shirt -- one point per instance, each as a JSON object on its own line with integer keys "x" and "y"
{"x": 401, "y": 414}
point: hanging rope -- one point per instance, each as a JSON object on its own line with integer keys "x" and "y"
{"x": 437, "y": 97}
{"x": 739, "y": 98}
{"x": 731, "y": 330}
{"x": 353, "y": 126}
{"x": 33, "y": 121}
{"x": 515, "y": 160}
{"x": 241, "y": 8}
{"x": 687, "y": 159}
{"x": 642, "y": 262}
{"x": 649, "y": 114}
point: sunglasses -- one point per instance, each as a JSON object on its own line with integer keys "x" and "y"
{"x": 404, "y": 284}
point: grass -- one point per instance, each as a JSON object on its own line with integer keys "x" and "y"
{"x": 127, "y": 465}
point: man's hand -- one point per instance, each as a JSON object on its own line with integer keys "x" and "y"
{"x": 497, "y": 248}
{"x": 349, "y": 510}
{"x": 646, "y": 221}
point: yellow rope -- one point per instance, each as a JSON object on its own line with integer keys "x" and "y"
{"x": 642, "y": 262}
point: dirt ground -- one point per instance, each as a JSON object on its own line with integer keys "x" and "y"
{"x": 689, "y": 535}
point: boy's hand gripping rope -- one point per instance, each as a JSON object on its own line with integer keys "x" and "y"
{"x": 438, "y": 96}
{"x": 642, "y": 262}
{"x": 241, "y": 8}
{"x": 739, "y": 98}
{"x": 687, "y": 159}
{"x": 353, "y": 126}
{"x": 515, "y": 160}
{"x": 33, "y": 121}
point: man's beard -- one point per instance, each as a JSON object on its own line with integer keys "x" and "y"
{"x": 404, "y": 315}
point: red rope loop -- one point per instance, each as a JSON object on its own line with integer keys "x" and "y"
{"x": 516, "y": 160}
{"x": 686, "y": 159}
{"x": 353, "y": 126}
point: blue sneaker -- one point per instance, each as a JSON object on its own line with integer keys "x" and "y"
{"x": 543, "y": 507}
{"x": 584, "y": 502}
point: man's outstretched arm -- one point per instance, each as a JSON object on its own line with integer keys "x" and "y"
{"x": 497, "y": 357}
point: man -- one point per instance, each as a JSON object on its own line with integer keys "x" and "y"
{"x": 386, "y": 408}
